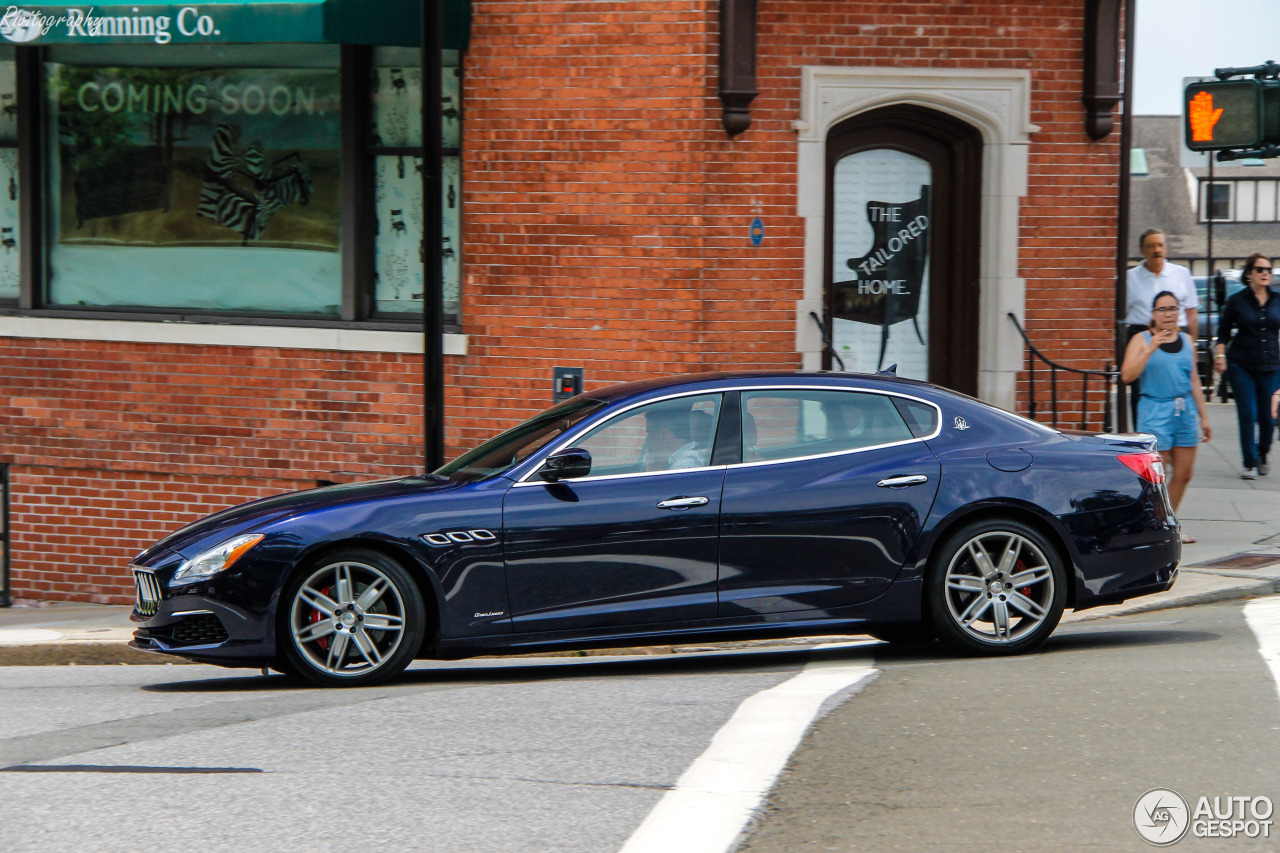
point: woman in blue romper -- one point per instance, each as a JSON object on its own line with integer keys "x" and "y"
{"x": 1172, "y": 405}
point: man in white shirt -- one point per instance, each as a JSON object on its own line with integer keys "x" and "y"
{"x": 1144, "y": 281}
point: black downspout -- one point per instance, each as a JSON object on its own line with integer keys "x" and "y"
{"x": 5, "y": 598}
{"x": 432, "y": 232}
{"x": 1122, "y": 224}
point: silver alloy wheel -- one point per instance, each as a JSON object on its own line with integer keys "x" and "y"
{"x": 999, "y": 599}
{"x": 347, "y": 619}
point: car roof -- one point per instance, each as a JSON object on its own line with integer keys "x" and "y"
{"x": 728, "y": 380}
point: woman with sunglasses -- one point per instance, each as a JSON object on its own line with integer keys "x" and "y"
{"x": 1248, "y": 351}
{"x": 1171, "y": 404}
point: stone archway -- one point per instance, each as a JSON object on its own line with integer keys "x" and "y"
{"x": 998, "y": 104}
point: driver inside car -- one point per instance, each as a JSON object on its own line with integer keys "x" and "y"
{"x": 676, "y": 438}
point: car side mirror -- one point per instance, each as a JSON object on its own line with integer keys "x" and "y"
{"x": 569, "y": 463}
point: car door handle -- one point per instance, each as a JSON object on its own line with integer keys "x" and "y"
{"x": 899, "y": 482}
{"x": 683, "y": 503}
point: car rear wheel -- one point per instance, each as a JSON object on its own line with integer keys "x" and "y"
{"x": 353, "y": 619}
{"x": 996, "y": 587}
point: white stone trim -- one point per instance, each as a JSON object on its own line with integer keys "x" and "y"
{"x": 218, "y": 334}
{"x": 995, "y": 101}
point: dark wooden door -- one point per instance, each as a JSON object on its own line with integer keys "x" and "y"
{"x": 903, "y": 230}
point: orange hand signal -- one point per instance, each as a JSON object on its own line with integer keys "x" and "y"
{"x": 1203, "y": 117}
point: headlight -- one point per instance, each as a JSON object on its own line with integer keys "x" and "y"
{"x": 216, "y": 559}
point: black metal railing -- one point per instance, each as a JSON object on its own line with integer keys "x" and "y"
{"x": 826, "y": 341}
{"x": 1108, "y": 378}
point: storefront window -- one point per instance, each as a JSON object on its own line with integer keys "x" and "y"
{"x": 203, "y": 188}
{"x": 396, "y": 88}
{"x": 8, "y": 177}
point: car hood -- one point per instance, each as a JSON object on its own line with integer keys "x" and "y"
{"x": 211, "y": 530}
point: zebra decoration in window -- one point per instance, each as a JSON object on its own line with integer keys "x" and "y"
{"x": 243, "y": 190}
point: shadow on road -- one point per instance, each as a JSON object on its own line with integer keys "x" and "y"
{"x": 505, "y": 671}
{"x": 1118, "y": 637}
{"x": 438, "y": 674}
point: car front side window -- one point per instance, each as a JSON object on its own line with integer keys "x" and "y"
{"x": 664, "y": 436}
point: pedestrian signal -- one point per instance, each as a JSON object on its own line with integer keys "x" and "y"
{"x": 1229, "y": 114}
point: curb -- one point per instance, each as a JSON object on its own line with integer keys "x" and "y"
{"x": 1234, "y": 593}
{"x": 80, "y": 653}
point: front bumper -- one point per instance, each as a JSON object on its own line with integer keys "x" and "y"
{"x": 212, "y": 621}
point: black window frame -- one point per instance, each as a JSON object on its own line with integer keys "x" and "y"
{"x": 371, "y": 148}
{"x": 1224, "y": 206}
{"x": 356, "y": 239}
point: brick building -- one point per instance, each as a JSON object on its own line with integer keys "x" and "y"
{"x": 616, "y": 199}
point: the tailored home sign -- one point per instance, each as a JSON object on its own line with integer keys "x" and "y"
{"x": 880, "y": 262}
{"x": 163, "y": 24}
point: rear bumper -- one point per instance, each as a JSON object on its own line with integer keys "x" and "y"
{"x": 1144, "y": 569}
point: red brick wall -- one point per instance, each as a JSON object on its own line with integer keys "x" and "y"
{"x": 605, "y": 226}
{"x": 114, "y": 445}
{"x": 584, "y": 197}
{"x": 610, "y": 178}
{"x": 74, "y": 530}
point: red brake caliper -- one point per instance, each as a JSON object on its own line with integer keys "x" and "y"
{"x": 1020, "y": 568}
{"x": 316, "y": 616}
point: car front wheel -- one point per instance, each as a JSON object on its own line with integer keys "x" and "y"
{"x": 996, "y": 587}
{"x": 353, "y": 619}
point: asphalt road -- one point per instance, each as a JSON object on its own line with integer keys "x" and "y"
{"x": 1045, "y": 752}
{"x": 1048, "y": 751}
{"x": 562, "y": 754}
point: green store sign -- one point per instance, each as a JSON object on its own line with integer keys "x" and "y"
{"x": 389, "y": 22}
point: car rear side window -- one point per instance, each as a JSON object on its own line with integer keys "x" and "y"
{"x": 920, "y": 417}
{"x": 786, "y": 424}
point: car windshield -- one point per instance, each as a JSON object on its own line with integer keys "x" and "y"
{"x": 505, "y": 451}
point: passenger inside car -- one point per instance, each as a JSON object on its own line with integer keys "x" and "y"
{"x": 750, "y": 437}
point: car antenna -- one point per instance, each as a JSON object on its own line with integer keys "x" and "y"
{"x": 891, "y": 370}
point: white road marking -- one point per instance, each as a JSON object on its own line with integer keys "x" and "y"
{"x": 1263, "y": 616}
{"x": 28, "y": 635}
{"x": 715, "y": 798}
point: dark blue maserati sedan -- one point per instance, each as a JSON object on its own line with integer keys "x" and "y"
{"x": 707, "y": 507}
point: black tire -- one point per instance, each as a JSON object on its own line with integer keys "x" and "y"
{"x": 1004, "y": 603}
{"x": 350, "y": 619}
{"x": 906, "y": 635}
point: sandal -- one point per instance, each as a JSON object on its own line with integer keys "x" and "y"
{"x": 1188, "y": 540}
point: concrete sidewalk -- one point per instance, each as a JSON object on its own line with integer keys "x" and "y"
{"x": 1232, "y": 519}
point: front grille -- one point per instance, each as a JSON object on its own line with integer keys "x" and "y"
{"x": 200, "y": 629}
{"x": 148, "y": 601}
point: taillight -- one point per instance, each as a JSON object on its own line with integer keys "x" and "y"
{"x": 1149, "y": 466}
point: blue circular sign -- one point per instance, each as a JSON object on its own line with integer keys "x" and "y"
{"x": 757, "y": 231}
